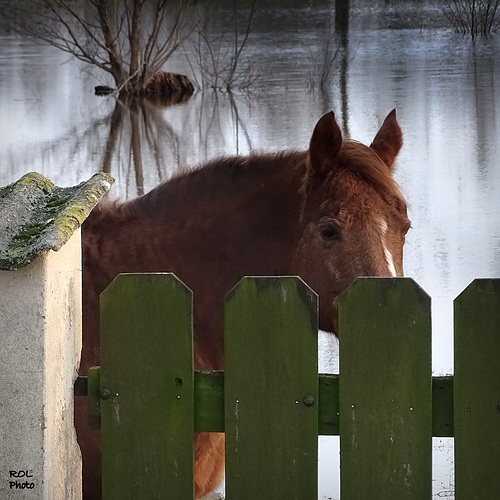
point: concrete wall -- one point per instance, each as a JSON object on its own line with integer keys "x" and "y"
{"x": 40, "y": 335}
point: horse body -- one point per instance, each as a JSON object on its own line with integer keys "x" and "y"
{"x": 328, "y": 214}
{"x": 205, "y": 240}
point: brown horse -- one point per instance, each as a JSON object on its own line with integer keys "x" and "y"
{"x": 328, "y": 214}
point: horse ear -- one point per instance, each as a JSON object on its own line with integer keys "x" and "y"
{"x": 388, "y": 140}
{"x": 325, "y": 144}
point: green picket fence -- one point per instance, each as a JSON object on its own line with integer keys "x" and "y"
{"x": 271, "y": 402}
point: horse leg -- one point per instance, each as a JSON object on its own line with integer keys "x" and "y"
{"x": 209, "y": 462}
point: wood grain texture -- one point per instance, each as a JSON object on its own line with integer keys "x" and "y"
{"x": 146, "y": 365}
{"x": 477, "y": 391}
{"x": 270, "y": 377}
{"x": 385, "y": 390}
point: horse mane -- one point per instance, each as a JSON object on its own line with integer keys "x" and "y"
{"x": 228, "y": 175}
{"x": 225, "y": 175}
{"x": 365, "y": 163}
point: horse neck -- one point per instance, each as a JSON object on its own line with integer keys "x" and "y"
{"x": 108, "y": 245}
{"x": 203, "y": 216}
{"x": 209, "y": 239}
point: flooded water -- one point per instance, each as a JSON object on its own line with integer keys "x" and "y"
{"x": 393, "y": 55}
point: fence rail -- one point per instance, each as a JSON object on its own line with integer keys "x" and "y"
{"x": 208, "y": 389}
{"x": 271, "y": 402}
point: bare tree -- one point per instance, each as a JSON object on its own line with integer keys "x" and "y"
{"x": 474, "y": 17}
{"x": 219, "y": 58}
{"x": 129, "y": 39}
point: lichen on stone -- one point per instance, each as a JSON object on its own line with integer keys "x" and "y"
{"x": 36, "y": 216}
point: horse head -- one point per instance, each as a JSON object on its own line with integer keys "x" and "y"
{"x": 354, "y": 217}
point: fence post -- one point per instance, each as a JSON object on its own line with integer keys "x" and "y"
{"x": 271, "y": 390}
{"x": 147, "y": 388}
{"x": 385, "y": 390}
{"x": 40, "y": 321}
{"x": 477, "y": 391}
{"x": 40, "y": 329}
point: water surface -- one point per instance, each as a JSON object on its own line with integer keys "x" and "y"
{"x": 393, "y": 56}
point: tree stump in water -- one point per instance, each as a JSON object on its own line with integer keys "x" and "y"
{"x": 165, "y": 83}
{"x": 163, "y": 89}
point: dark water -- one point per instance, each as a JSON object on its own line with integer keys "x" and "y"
{"x": 444, "y": 86}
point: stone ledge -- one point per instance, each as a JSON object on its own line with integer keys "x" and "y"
{"x": 37, "y": 216}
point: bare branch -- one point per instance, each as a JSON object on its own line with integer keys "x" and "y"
{"x": 473, "y": 17}
{"x": 129, "y": 39}
{"x": 219, "y": 59}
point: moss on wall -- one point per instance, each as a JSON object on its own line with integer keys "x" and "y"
{"x": 37, "y": 216}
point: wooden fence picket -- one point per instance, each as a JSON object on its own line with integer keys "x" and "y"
{"x": 385, "y": 404}
{"x": 271, "y": 390}
{"x": 385, "y": 391}
{"x": 477, "y": 391}
{"x": 147, "y": 388}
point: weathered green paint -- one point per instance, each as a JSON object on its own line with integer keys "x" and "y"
{"x": 94, "y": 399}
{"x": 328, "y": 404}
{"x": 271, "y": 368}
{"x": 147, "y": 422}
{"x": 36, "y": 216}
{"x": 442, "y": 406}
{"x": 385, "y": 390}
{"x": 209, "y": 403}
{"x": 385, "y": 403}
{"x": 477, "y": 391}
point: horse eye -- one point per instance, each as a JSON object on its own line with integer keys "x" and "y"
{"x": 330, "y": 231}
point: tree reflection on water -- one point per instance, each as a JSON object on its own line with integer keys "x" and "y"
{"x": 141, "y": 142}
{"x": 138, "y": 130}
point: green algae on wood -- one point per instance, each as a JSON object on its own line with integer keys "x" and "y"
{"x": 37, "y": 216}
